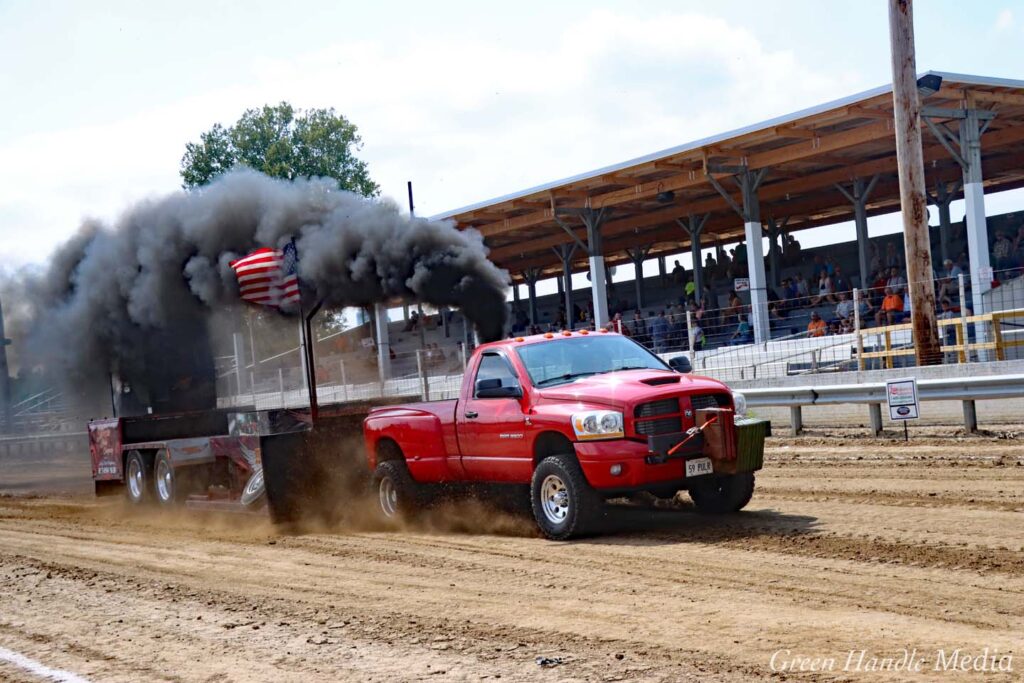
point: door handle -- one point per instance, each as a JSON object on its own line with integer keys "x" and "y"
{"x": 471, "y": 414}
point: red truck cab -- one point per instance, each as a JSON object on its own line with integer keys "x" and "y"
{"x": 579, "y": 417}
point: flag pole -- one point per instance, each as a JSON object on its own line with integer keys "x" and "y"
{"x": 307, "y": 343}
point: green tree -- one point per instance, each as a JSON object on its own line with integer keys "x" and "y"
{"x": 284, "y": 143}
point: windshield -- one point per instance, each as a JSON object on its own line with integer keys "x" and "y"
{"x": 558, "y": 362}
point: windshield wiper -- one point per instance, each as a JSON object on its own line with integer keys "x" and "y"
{"x": 564, "y": 378}
{"x": 630, "y": 367}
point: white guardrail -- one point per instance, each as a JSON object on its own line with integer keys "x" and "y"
{"x": 966, "y": 389}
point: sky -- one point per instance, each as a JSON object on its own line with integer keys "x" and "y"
{"x": 466, "y": 100}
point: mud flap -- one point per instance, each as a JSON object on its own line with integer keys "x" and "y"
{"x": 311, "y": 476}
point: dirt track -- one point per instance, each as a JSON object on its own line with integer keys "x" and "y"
{"x": 865, "y": 545}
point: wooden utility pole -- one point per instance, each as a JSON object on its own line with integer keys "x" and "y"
{"x": 907, "y": 113}
{"x": 5, "y": 379}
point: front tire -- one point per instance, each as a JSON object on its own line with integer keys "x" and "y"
{"x": 138, "y": 478}
{"x": 397, "y": 492}
{"x": 722, "y": 494}
{"x": 564, "y": 504}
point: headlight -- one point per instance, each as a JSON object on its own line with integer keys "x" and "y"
{"x": 597, "y": 424}
{"x": 740, "y": 401}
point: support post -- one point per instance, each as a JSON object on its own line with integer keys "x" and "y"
{"x": 977, "y": 227}
{"x": 694, "y": 227}
{"x": 380, "y": 320}
{"x": 875, "y": 415}
{"x": 970, "y": 417}
{"x": 963, "y": 319}
{"x": 421, "y": 373}
{"x": 755, "y": 256}
{"x": 858, "y": 196}
{"x": 750, "y": 212}
{"x": 856, "y": 328}
{"x": 796, "y": 420}
{"x": 598, "y": 277}
{"x": 944, "y": 194}
{"x": 531, "y": 276}
{"x": 910, "y": 162}
{"x": 5, "y": 378}
{"x": 565, "y": 253}
{"x": 637, "y": 256}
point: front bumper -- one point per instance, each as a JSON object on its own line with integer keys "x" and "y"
{"x": 639, "y": 470}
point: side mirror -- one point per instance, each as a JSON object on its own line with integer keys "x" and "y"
{"x": 492, "y": 388}
{"x": 681, "y": 364}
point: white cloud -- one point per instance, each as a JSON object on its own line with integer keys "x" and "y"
{"x": 1004, "y": 21}
{"x": 464, "y": 118}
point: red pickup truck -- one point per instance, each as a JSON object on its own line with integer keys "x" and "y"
{"x": 579, "y": 417}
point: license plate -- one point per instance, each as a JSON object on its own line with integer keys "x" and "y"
{"x": 698, "y": 467}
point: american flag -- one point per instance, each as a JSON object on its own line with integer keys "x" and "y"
{"x": 268, "y": 276}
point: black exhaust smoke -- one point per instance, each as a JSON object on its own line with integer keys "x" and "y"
{"x": 133, "y": 298}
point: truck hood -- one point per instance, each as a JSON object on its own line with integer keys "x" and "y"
{"x": 629, "y": 387}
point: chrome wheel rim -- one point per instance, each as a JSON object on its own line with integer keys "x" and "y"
{"x": 388, "y": 497}
{"x": 164, "y": 481}
{"x": 136, "y": 480}
{"x": 554, "y": 499}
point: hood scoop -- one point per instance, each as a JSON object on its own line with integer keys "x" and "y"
{"x": 655, "y": 381}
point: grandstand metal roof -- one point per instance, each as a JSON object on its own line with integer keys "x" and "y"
{"x": 807, "y": 153}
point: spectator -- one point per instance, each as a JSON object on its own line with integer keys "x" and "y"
{"x": 951, "y": 270}
{"x": 865, "y": 307}
{"x": 1002, "y": 252}
{"x": 677, "y": 273}
{"x": 707, "y": 299}
{"x": 896, "y": 282}
{"x": 839, "y": 282}
{"x": 825, "y": 291}
{"x": 732, "y": 313}
{"x": 818, "y": 267}
{"x": 659, "y": 332}
{"x": 803, "y": 292}
{"x": 904, "y": 315}
{"x": 698, "y": 337}
{"x": 640, "y": 328}
{"x": 964, "y": 262}
{"x": 710, "y": 265}
{"x": 690, "y": 289}
{"x": 846, "y": 326}
{"x": 743, "y": 334}
{"x": 877, "y": 291}
{"x": 740, "y": 255}
{"x": 844, "y": 309}
{"x": 816, "y": 328}
{"x": 1018, "y": 246}
{"x": 875, "y": 263}
{"x": 891, "y": 304}
{"x": 946, "y": 289}
{"x": 892, "y": 257}
{"x": 775, "y": 314}
{"x": 619, "y": 326}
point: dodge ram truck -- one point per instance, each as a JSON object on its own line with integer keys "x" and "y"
{"x": 578, "y": 418}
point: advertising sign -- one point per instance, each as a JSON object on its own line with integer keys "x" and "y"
{"x": 901, "y": 395}
{"x": 741, "y": 284}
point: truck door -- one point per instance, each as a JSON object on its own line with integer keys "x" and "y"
{"x": 492, "y": 429}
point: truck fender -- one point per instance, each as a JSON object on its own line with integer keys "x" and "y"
{"x": 418, "y": 437}
{"x": 550, "y": 443}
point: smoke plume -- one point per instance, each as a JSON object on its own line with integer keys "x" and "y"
{"x": 109, "y": 291}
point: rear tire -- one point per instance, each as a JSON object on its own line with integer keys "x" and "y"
{"x": 169, "y": 484}
{"x": 398, "y": 494}
{"x": 138, "y": 478}
{"x": 564, "y": 504}
{"x": 723, "y": 494}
